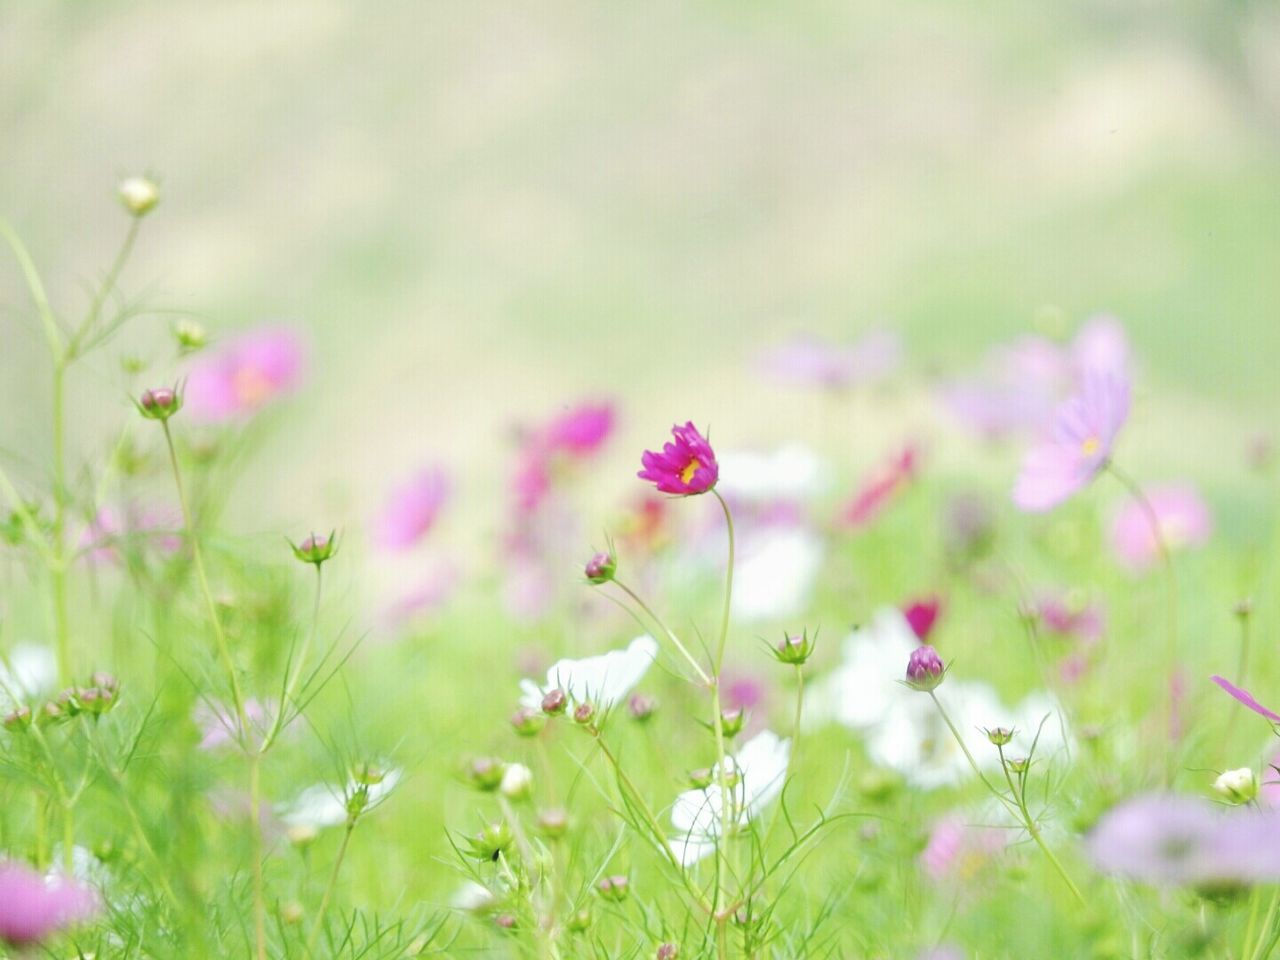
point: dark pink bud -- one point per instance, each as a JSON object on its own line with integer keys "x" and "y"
{"x": 925, "y": 668}
{"x": 554, "y": 703}
{"x": 583, "y": 713}
{"x": 160, "y": 403}
{"x": 641, "y": 707}
{"x": 600, "y": 568}
{"x": 667, "y": 951}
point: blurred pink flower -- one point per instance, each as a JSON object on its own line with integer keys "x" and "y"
{"x": 1084, "y": 430}
{"x": 580, "y": 431}
{"x": 108, "y": 531}
{"x": 744, "y": 692}
{"x": 412, "y": 509}
{"x": 685, "y": 467}
{"x": 33, "y": 907}
{"x": 958, "y": 850}
{"x": 244, "y": 374}
{"x": 1101, "y": 348}
{"x": 219, "y": 724}
{"x": 1246, "y": 698}
{"x": 1182, "y": 517}
{"x": 576, "y": 434}
{"x": 807, "y": 360}
{"x": 921, "y": 615}
{"x": 428, "y": 595}
{"x": 1068, "y": 615}
{"x": 1016, "y": 391}
{"x": 880, "y": 489}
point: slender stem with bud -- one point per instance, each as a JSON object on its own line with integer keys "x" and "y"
{"x": 318, "y": 924}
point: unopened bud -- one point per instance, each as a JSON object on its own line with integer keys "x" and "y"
{"x": 794, "y": 649}
{"x": 554, "y": 703}
{"x": 579, "y": 920}
{"x": 139, "y": 195}
{"x": 369, "y": 775}
{"x": 553, "y": 823}
{"x": 292, "y": 913}
{"x": 732, "y": 722}
{"x": 190, "y": 335}
{"x": 1018, "y": 764}
{"x": 505, "y": 921}
{"x": 17, "y": 719}
{"x": 999, "y": 736}
{"x": 489, "y": 843}
{"x": 517, "y": 781}
{"x": 583, "y": 713}
{"x": 924, "y": 668}
{"x": 1237, "y": 786}
{"x": 600, "y": 568}
{"x": 485, "y": 774}
{"x": 667, "y": 951}
{"x": 614, "y": 888}
{"x": 301, "y": 834}
{"x": 316, "y": 549}
{"x": 159, "y": 403}
{"x": 701, "y": 778}
{"x": 641, "y": 707}
{"x": 528, "y": 722}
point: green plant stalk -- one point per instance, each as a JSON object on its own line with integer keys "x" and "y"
{"x": 65, "y": 801}
{"x": 1257, "y": 953}
{"x": 291, "y": 684}
{"x": 702, "y": 674}
{"x": 318, "y": 924}
{"x": 722, "y": 848}
{"x": 255, "y": 833}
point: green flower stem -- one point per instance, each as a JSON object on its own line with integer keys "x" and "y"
{"x": 702, "y": 674}
{"x": 1258, "y": 952}
{"x": 722, "y": 848}
{"x": 295, "y": 677}
{"x": 318, "y": 924}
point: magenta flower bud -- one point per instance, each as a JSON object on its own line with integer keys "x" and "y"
{"x": 160, "y": 403}
{"x": 316, "y": 549}
{"x": 667, "y": 951}
{"x": 925, "y": 668}
{"x": 641, "y": 707}
{"x": 614, "y": 888}
{"x": 601, "y": 568}
{"x": 554, "y": 703}
{"x": 583, "y": 713}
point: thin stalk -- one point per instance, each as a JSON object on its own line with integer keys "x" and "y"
{"x": 58, "y": 570}
{"x": 291, "y": 684}
{"x": 36, "y": 288}
{"x": 65, "y": 801}
{"x": 108, "y": 284}
{"x": 795, "y": 720}
{"x": 1266, "y": 926}
{"x": 255, "y": 832}
{"x": 722, "y": 846}
{"x": 702, "y": 674}
{"x": 1034, "y": 831}
{"x": 316, "y": 926}
{"x": 973, "y": 764}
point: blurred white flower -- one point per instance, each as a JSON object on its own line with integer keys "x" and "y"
{"x": 517, "y": 781}
{"x": 601, "y": 680}
{"x": 792, "y": 472}
{"x": 472, "y": 896}
{"x": 903, "y": 729}
{"x": 27, "y": 671}
{"x": 759, "y": 769}
{"x": 324, "y": 805}
{"x": 775, "y": 573}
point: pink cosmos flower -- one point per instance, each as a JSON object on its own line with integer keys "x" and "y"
{"x": 685, "y": 467}
{"x": 244, "y": 375}
{"x": 102, "y": 538}
{"x": 957, "y": 850}
{"x": 1068, "y": 615}
{"x": 1245, "y": 697}
{"x": 580, "y": 431}
{"x": 1182, "y": 517}
{"x": 219, "y": 724}
{"x": 412, "y": 509}
{"x": 810, "y": 361}
{"x": 1084, "y": 430}
{"x": 428, "y": 595}
{"x": 32, "y": 908}
{"x": 922, "y": 615}
{"x": 880, "y": 489}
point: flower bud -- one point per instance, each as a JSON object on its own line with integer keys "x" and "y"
{"x": 583, "y": 713}
{"x": 999, "y": 736}
{"x": 732, "y": 722}
{"x": 505, "y": 921}
{"x": 292, "y": 913}
{"x": 160, "y": 403}
{"x": 1018, "y": 765}
{"x": 301, "y": 834}
{"x": 579, "y": 920}
{"x": 357, "y": 801}
{"x": 553, "y": 823}
{"x": 191, "y": 336}
{"x": 1243, "y": 608}
{"x": 614, "y": 888}
{"x": 517, "y": 781}
{"x": 701, "y": 778}
{"x": 18, "y": 719}
{"x": 600, "y": 568}
{"x": 485, "y": 774}
{"x": 528, "y": 722}
{"x": 139, "y": 195}
{"x": 315, "y": 549}
{"x": 794, "y": 649}
{"x": 369, "y": 775}
{"x": 1237, "y": 786}
{"x": 667, "y": 951}
{"x": 490, "y": 842}
{"x": 554, "y": 703}
{"x": 641, "y": 707}
{"x": 924, "y": 669}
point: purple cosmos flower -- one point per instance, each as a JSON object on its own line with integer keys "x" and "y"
{"x": 809, "y": 361}
{"x": 686, "y": 467}
{"x": 244, "y": 375}
{"x": 1084, "y": 430}
{"x": 1245, "y": 697}
{"x": 924, "y": 668}
{"x": 1181, "y": 515}
{"x": 412, "y": 509}
{"x": 1101, "y": 346}
{"x": 31, "y": 907}
{"x": 1170, "y": 840}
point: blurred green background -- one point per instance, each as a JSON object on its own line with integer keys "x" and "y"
{"x": 485, "y": 210}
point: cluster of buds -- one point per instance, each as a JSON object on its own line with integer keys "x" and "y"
{"x": 160, "y": 403}
{"x": 795, "y": 650}
{"x": 94, "y": 699}
{"x": 601, "y": 568}
{"x": 316, "y": 549}
{"x": 925, "y": 669}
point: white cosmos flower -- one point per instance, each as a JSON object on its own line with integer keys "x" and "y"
{"x": 324, "y": 805}
{"x": 601, "y": 680}
{"x": 775, "y": 572}
{"x": 792, "y": 472}
{"x": 472, "y": 896}
{"x": 903, "y": 729}
{"x": 28, "y": 670}
{"x": 759, "y": 768}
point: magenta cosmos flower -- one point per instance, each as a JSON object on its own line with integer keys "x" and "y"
{"x": 1182, "y": 518}
{"x": 921, "y": 615}
{"x": 1084, "y": 430}
{"x": 580, "y": 431}
{"x": 32, "y": 908}
{"x": 1245, "y": 697}
{"x": 684, "y": 467}
{"x": 411, "y": 510}
{"x": 244, "y": 375}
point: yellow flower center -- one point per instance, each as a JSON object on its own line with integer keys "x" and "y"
{"x": 251, "y": 386}
{"x": 689, "y": 470}
{"x": 1090, "y": 446}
